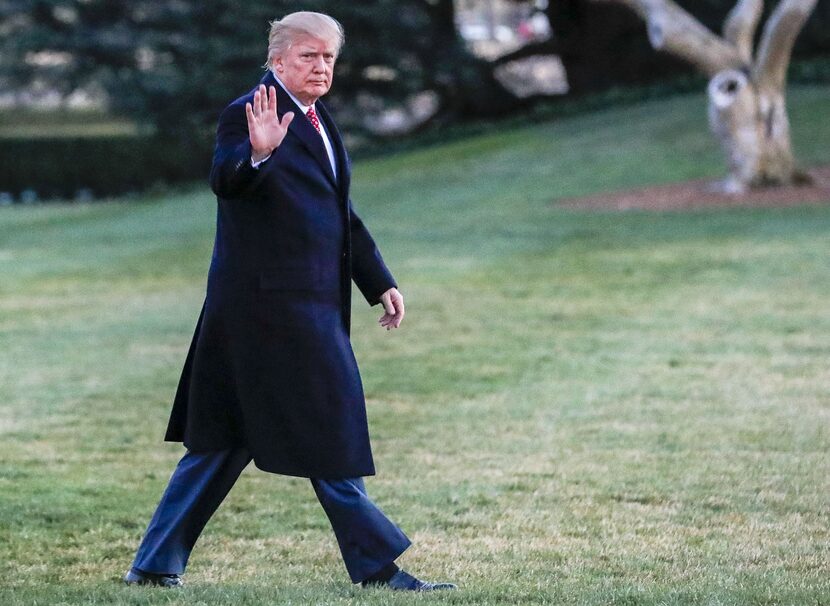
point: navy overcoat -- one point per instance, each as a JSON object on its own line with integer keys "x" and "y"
{"x": 271, "y": 366}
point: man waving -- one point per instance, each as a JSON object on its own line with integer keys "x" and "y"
{"x": 270, "y": 375}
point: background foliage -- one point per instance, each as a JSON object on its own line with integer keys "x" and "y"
{"x": 176, "y": 63}
{"x": 169, "y": 66}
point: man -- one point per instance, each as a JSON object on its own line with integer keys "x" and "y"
{"x": 270, "y": 374}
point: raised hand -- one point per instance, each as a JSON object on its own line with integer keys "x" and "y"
{"x": 265, "y": 129}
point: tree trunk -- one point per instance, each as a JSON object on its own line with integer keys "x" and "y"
{"x": 752, "y": 126}
{"x": 747, "y": 103}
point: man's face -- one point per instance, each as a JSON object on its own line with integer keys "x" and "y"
{"x": 306, "y": 68}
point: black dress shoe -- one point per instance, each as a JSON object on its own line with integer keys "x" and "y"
{"x": 139, "y": 577}
{"x": 403, "y": 581}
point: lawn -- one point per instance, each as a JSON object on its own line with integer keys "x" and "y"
{"x": 580, "y": 408}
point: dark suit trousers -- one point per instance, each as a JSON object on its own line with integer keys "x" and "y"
{"x": 368, "y": 540}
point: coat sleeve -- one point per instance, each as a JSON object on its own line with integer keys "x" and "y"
{"x": 231, "y": 175}
{"x": 369, "y": 272}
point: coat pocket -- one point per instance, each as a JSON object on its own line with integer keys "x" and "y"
{"x": 291, "y": 278}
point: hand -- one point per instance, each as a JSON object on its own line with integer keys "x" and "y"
{"x": 393, "y": 305}
{"x": 264, "y": 127}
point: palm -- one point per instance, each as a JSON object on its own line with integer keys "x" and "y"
{"x": 265, "y": 129}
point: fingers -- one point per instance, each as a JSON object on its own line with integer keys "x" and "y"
{"x": 398, "y": 302}
{"x": 387, "y": 319}
{"x": 398, "y": 318}
{"x": 260, "y": 100}
{"x": 390, "y": 321}
{"x": 263, "y": 99}
{"x": 394, "y": 307}
{"x": 272, "y": 101}
{"x": 256, "y": 105}
{"x": 386, "y": 299}
{"x": 249, "y": 113}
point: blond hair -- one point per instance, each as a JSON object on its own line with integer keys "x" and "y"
{"x": 285, "y": 31}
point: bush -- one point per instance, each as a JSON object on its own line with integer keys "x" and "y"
{"x": 94, "y": 167}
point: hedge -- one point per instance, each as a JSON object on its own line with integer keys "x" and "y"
{"x": 95, "y": 167}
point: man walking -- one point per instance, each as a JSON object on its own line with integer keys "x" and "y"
{"x": 270, "y": 375}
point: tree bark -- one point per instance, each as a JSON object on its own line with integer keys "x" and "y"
{"x": 754, "y": 131}
{"x": 747, "y": 100}
{"x": 740, "y": 25}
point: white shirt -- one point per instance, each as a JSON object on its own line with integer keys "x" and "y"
{"x": 323, "y": 133}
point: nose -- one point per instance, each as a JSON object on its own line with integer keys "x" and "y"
{"x": 320, "y": 65}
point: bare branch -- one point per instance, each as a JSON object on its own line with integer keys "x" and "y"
{"x": 780, "y": 32}
{"x": 672, "y": 29}
{"x": 740, "y": 24}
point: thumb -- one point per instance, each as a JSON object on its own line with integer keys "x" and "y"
{"x": 387, "y": 304}
{"x": 286, "y": 119}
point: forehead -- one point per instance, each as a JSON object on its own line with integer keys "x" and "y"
{"x": 306, "y": 43}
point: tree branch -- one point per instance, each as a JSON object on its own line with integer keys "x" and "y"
{"x": 672, "y": 29}
{"x": 740, "y": 24}
{"x": 780, "y": 32}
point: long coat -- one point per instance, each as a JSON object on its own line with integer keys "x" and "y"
{"x": 271, "y": 366}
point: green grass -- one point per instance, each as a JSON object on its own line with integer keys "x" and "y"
{"x": 581, "y": 408}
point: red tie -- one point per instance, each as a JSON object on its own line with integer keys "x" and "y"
{"x": 313, "y": 119}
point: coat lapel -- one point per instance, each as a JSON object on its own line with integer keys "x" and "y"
{"x": 344, "y": 171}
{"x": 301, "y": 126}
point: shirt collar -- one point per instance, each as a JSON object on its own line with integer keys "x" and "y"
{"x": 303, "y": 108}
